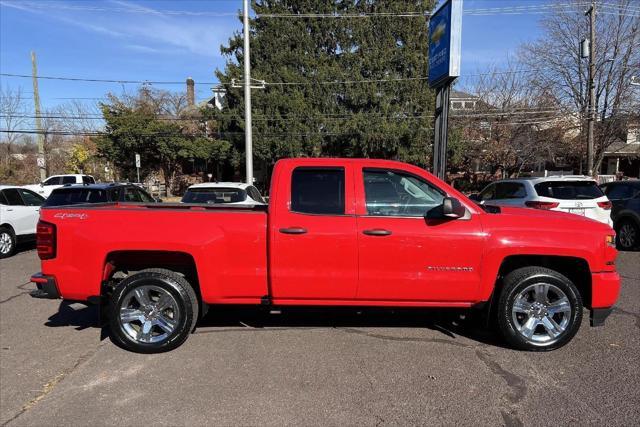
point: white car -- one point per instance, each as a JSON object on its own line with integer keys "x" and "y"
{"x": 56, "y": 181}
{"x": 234, "y": 193}
{"x": 575, "y": 194}
{"x": 19, "y": 214}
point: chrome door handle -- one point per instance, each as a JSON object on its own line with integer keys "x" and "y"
{"x": 377, "y": 232}
{"x": 293, "y": 230}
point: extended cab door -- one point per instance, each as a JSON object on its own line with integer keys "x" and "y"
{"x": 313, "y": 244}
{"x": 402, "y": 255}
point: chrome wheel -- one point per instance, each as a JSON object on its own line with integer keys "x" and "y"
{"x": 149, "y": 314}
{"x": 627, "y": 235}
{"x": 541, "y": 313}
{"x": 6, "y": 243}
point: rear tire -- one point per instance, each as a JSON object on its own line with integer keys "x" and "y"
{"x": 152, "y": 311}
{"x": 627, "y": 235}
{"x": 539, "y": 309}
{"x": 7, "y": 242}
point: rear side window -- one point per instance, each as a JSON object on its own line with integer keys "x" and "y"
{"x": 68, "y": 180}
{"x": 318, "y": 191}
{"x": 3, "y": 199}
{"x": 620, "y": 191}
{"x": 76, "y": 196}
{"x": 13, "y": 197}
{"x": 87, "y": 180}
{"x": 31, "y": 199}
{"x": 569, "y": 190}
{"x": 510, "y": 190}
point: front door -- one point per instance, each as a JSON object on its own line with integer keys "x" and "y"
{"x": 405, "y": 257}
{"x": 313, "y": 248}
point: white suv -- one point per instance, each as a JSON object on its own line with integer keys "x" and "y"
{"x": 56, "y": 181}
{"x": 575, "y": 194}
{"x": 19, "y": 214}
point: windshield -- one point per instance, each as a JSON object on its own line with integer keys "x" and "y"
{"x": 75, "y": 196}
{"x": 214, "y": 195}
{"x": 569, "y": 190}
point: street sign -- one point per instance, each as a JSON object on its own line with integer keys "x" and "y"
{"x": 40, "y": 161}
{"x": 445, "y": 36}
{"x": 137, "y": 160}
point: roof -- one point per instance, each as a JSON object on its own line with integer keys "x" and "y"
{"x": 98, "y": 186}
{"x": 622, "y": 148}
{"x": 632, "y": 182}
{"x": 2, "y": 187}
{"x": 538, "y": 179}
{"x": 457, "y": 94}
{"x": 240, "y": 185}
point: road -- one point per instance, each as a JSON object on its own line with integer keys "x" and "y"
{"x": 310, "y": 367}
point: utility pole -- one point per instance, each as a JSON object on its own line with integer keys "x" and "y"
{"x": 247, "y": 97}
{"x": 40, "y": 136}
{"x": 592, "y": 70}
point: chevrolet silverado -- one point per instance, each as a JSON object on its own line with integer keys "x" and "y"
{"x": 336, "y": 232}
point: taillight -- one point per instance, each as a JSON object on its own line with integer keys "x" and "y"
{"x": 46, "y": 240}
{"x": 542, "y": 205}
{"x": 605, "y": 205}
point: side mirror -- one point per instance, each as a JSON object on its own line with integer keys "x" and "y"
{"x": 451, "y": 208}
{"x": 475, "y": 197}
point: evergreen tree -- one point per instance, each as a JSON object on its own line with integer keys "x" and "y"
{"x": 316, "y": 102}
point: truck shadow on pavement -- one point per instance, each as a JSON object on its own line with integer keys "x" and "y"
{"x": 76, "y": 315}
{"x": 449, "y": 323}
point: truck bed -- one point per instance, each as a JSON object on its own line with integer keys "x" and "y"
{"x": 227, "y": 243}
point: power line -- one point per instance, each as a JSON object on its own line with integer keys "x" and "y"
{"x": 119, "y": 81}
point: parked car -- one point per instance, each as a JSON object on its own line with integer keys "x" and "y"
{"x": 625, "y": 197}
{"x": 234, "y": 193}
{"x": 574, "y": 194}
{"x": 56, "y": 181}
{"x": 19, "y": 213}
{"x": 98, "y": 193}
{"x": 337, "y": 232}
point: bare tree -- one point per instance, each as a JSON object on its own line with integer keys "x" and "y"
{"x": 13, "y": 118}
{"x": 512, "y": 121}
{"x": 557, "y": 65}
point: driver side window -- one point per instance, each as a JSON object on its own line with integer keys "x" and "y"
{"x": 395, "y": 193}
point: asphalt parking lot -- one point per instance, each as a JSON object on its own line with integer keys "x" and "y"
{"x": 344, "y": 367}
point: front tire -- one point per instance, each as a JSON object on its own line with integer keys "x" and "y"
{"x": 539, "y": 309}
{"x": 7, "y": 242}
{"x": 152, "y": 311}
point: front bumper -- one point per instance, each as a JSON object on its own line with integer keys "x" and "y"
{"x": 46, "y": 287}
{"x": 605, "y": 289}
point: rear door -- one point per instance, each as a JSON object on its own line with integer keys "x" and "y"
{"x": 313, "y": 247}
{"x": 16, "y": 213}
{"x": 32, "y": 202}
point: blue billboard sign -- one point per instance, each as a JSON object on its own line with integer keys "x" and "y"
{"x": 445, "y": 36}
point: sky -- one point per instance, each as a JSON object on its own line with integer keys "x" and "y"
{"x": 146, "y": 40}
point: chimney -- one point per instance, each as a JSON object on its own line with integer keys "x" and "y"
{"x": 191, "y": 94}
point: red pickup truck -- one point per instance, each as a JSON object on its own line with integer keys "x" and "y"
{"x": 337, "y": 232}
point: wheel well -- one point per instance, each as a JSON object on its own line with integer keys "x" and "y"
{"x": 7, "y": 225}
{"x": 120, "y": 264}
{"x": 575, "y": 269}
